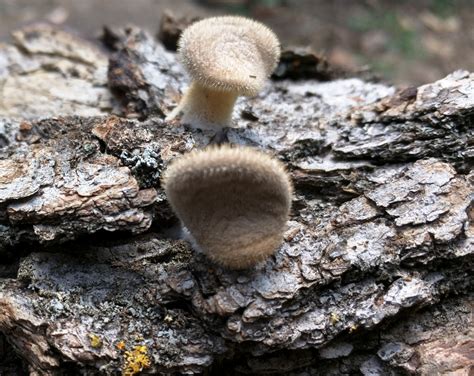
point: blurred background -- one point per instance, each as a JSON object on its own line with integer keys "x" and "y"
{"x": 406, "y": 42}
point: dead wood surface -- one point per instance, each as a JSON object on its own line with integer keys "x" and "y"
{"x": 375, "y": 274}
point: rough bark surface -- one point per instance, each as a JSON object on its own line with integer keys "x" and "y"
{"x": 374, "y": 276}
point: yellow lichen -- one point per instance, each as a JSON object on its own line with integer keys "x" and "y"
{"x": 168, "y": 319}
{"x": 95, "y": 340}
{"x": 334, "y": 318}
{"x": 353, "y": 328}
{"x": 136, "y": 360}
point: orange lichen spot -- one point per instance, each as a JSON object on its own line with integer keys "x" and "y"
{"x": 95, "y": 341}
{"x": 136, "y": 360}
{"x": 120, "y": 346}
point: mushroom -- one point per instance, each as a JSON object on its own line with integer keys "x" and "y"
{"x": 225, "y": 57}
{"x": 233, "y": 202}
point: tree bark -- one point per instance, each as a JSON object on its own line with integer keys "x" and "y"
{"x": 374, "y": 276}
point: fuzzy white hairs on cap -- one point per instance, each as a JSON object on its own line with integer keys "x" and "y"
{"x": 225, "y": 57}
{"x": 234, "y": 202}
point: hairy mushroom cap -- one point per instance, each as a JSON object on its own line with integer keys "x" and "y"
{"x": 229, "y": 54}
{"x": 234, "y": 202}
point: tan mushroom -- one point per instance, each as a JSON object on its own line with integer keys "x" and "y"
{"x": 234, "y": 202}
{"x": 225, "y": 57}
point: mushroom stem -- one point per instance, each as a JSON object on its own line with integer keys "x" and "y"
{"x": 205, "y": 108}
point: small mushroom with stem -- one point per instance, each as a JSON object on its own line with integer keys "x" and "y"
{"x": 233, "y": 202}
{"x": 225, "y": 57}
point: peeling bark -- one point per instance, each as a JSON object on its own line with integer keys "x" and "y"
{"x": 375, "y": 271}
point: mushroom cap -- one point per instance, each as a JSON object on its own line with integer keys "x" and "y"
{"x": 229, "y": 53}
{"x": 234, "y": 202}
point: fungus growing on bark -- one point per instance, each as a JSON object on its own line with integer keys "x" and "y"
{"x": 225, "y": 57}
{"x": 234, "y": 202}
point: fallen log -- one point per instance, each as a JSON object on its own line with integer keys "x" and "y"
{"x": 374, "y": 276}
